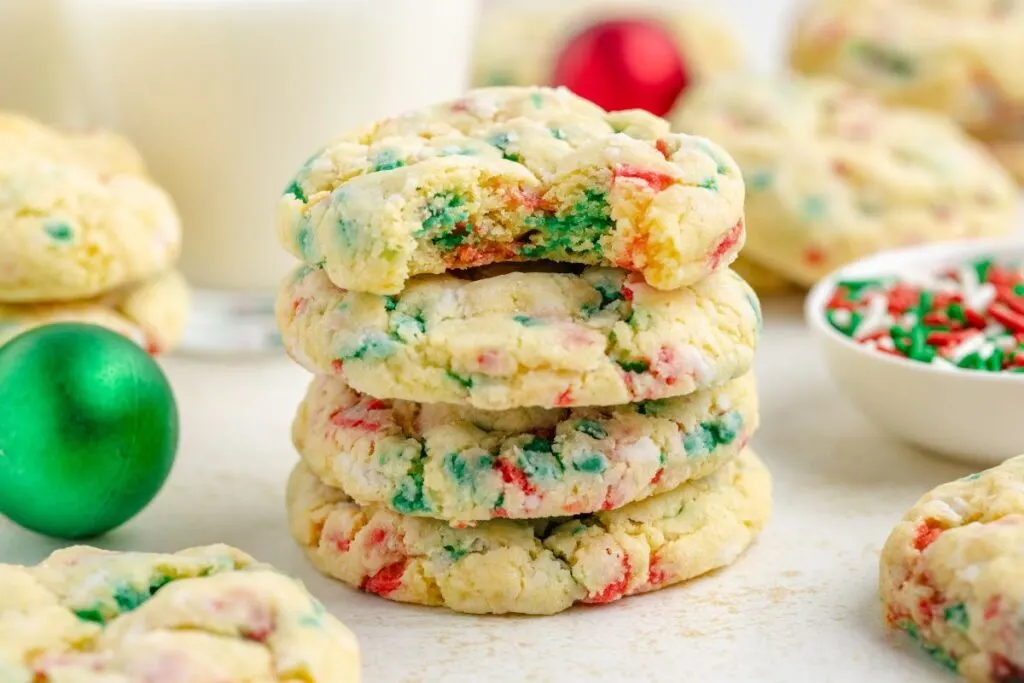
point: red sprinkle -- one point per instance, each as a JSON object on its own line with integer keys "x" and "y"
{"x": 1005, "y": 671}
{"x": 377, "y": 537}
{"x": 725, "y": 245}
{"x": 341, "y": 418}
{"x": 336, "y": 365}
{"x": 656, "y": 575}
{"x": 814, "y": 256}
{"x": 387, "y": 580}
{"x": 1011, "y": 320}
{"x": 657, "y": 476}
{"x": 564, "y": 399}
{"x": 927, "y": 532}
{"x": 658, "y": 181}
{"x": 992, "y": 608}
{"x": 636, "y": 247}
{"x": 340, "y": 543}
{"x": 662, "y": 147}
{"x": 614, "y": 590}
{"x": 511, "y": 474}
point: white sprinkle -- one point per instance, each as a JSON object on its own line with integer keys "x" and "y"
{"x": 908, "y": 319}
{"x": 876, "y": 318}
{"x": 981, "y": 298}
{"x": 642, "y": 450}
{"x": 841, "y": 317}
{"x": 968, "y": 281}
{"x": 967, "y": 347}
{"x": 986, "y": 350}
{"x": 1006, "y": 343}
{"x": 943, "y": 364}
{"x": 886, "y": 343}
{"x": 994, "y": 330}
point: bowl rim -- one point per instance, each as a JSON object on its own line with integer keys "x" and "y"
{"x": 934, "y": 254}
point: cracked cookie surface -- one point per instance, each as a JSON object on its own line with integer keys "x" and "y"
{"x": 533, "y": 567}
{"x": 514, "y": 174}
{"x": 465, "y": 465}
{"x": 78, "y": 215}
{"x": 201, "y": 615}
{"x": 952, "y": 577}
{"x": 521, "y": 339}
{"x": 832, "y": 175}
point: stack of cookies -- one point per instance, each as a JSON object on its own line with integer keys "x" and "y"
{"x": 533, "y": 362}
{"x": 85, "y": 236}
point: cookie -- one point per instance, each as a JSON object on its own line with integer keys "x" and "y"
{"x": 201, "y": 615}
{"x": 538, "y": 567}
{"x": 152, "y": 314}
{"x": 958, "y": 58}
{"x": 832, "y": 175}
{"x": 514, "y": 174}
{"x": 703, "y": 45}
{"x": 1010, "y": 152}
{"x": 522, "y": 339}
{"x": 465, "y": 465}
{"x": 952, "y": 578}
{"x": 78, "y": 216}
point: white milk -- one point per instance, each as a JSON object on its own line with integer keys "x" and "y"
{"x": 227, "y": 98}
{"x": 32, "y": 60}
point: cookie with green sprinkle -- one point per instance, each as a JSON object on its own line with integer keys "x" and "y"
{"x": 533, "y": 566}
{"x": 202, "y": 614}
{"x": 521, "y": 339}
{"x": 465, "y": 465}
{"x": 514, "y": 174}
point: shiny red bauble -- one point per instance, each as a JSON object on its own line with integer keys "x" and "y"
{"x": 624, "y": 64}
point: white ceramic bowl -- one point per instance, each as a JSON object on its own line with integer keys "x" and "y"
{"x": 977, "y": 417}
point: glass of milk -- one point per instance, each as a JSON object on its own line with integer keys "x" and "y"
{"x": 227, "y": 98}
{"x": 32, "y": 60}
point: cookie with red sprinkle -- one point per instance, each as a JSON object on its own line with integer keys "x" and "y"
{"x": 200, "y": 615}
{"x": 533, "y": 567}
{"x": 832, "y": 175}
{"x": 952, "y": 575}
{"x": 466, "y": 465}
{"x": 600, "y": 336}
{"x": 514, "y": 174}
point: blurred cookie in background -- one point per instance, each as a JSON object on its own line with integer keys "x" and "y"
{"x": 959, "y": 57}
{"x": 763, "y": 279}
{"x": 629, "y": 54}
{"x": 833, "y": 175}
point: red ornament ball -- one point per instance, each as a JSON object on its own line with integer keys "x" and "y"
{"x": 624, "y": 64}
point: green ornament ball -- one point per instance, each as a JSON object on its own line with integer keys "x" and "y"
{"x": 88, "y": 430}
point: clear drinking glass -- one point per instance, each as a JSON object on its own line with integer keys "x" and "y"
{"x": 227, "y": 98}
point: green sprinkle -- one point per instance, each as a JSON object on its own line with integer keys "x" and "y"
{"x": 970, "y": 362}
{"x": 653, "y": 407}
{"x": 527, "y": 321}
{"x": 390, "y": 303}
{"x": 557, "y": 133}
{"x": 1018, "y": 289}
{"x": 592, "y": 428}
{"x": 759, "y": 181}
{"x": 539, "y": 461}
{"x": 405, "y": 327}
{"x": 368, "y": 346}
{"x": 590, "y": 463}
{"x": 885, "y": 59}
{"x": 295, "y": 189}
{"x": 58, "y": 230}
{"x": 465, "y": 381}
{"x": 955, "y": 312}
{"x": 995, "y": 361}
{"x": 636, "y": 366}
{"x": 710, "y": 184}
{"x": 387, "y": 160}
{"x": 445, "y": 221}
{"x": 711, "y": 435}
{"x": 815, "y": 207}
{"x": 503, "y": 141}
{"x": 956, "y": 616}
{"x": 981, "y": 268}
{"x": 410, "y": 497}
{"x": 93, "y": 615}
{"x": 537, "y": 100}
{"x": 455, "y": 553}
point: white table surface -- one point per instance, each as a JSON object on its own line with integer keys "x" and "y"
{"x": 801, "y": 605}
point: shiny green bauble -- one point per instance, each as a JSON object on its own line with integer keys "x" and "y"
{"x": 88, "y": 430}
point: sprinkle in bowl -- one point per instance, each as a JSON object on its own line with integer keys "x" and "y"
{"x": 928, "y": 342}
